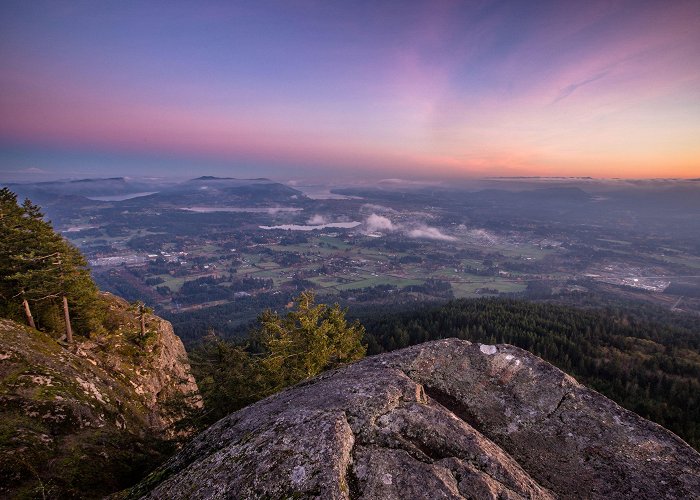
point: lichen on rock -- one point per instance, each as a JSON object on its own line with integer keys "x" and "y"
{"x": 78, "y": 419}
{"x": 445, "y": 419}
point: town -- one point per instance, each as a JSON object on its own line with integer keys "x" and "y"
{"x": 235, "y": 247}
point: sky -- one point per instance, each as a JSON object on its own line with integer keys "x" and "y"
{"x": 349, "y": 89}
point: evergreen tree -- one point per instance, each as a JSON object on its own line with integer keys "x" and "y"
{"x": 284, "y": 350}
{"x": 228, "y": 378}
{"x": 308, "y": 340}
{"x": 43, "y": 273}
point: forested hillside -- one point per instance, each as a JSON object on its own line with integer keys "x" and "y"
{"x": 647, "y": 363}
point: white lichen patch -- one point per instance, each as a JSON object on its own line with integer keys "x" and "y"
{"x": 53, "y": 417}
{"x": 42, "y": 380}
{"x": 298, "y": 475}
{"x": 387, "y": 478}
{"x": 511, "y": 359}
{"x": 90, "y": 389}
{"x": 488, "y": 349}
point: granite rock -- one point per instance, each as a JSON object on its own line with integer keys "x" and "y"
{"x": 444, "y": 419}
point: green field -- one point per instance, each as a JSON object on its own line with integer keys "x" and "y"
{"x": 174, "y": 283}
{"x": 468, "y": 289}
{"x": 380, "y": 280}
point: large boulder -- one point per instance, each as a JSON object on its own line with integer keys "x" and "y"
{"x": 445, "y": 419}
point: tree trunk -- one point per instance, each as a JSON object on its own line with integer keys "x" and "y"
{"x": 143, "y": 321}
{"x": 66, "y": 315}
{"x": 28, "y": 312}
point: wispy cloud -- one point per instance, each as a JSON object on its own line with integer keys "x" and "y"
{"x": 430, "y": 233}
{"x": 317, "y": 220}
{"x": 374, "y": 208}
{"x": 379, "y": 223}
{"x": 570, "y": 89}
{"x": 431, "y": 88}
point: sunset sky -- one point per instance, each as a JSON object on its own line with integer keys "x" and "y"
{"x": 336, "y": 89}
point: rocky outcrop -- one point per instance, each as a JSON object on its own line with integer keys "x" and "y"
{"x": 156, "y": 367}
{"x": 445, "y": 419}
{"x": 79, "y": 419}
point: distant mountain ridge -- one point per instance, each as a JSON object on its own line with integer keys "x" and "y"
{"x": 214, "y": 178}
{"x": 123, "y": 185}
{"x": 223, "y": 192}
{"x": 65, "y": 198}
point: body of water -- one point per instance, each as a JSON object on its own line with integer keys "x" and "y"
{"x": 255, "y": 210}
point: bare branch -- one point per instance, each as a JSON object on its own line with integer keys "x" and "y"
{"x": 50, "y": 296}
{"x": 35, "y": 259}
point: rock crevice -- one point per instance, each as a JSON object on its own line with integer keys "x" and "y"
{"x": 445, "y": 419}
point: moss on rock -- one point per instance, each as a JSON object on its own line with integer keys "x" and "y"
{"x": 84, "y": 420}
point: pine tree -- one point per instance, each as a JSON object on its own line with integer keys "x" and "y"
{"x": 43, "y": 273}
{"x": 141, "y": 310}
{"x": 15, "y": 241}
{"x": 283, "y": 350}
{"x": 310, "y": 339}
